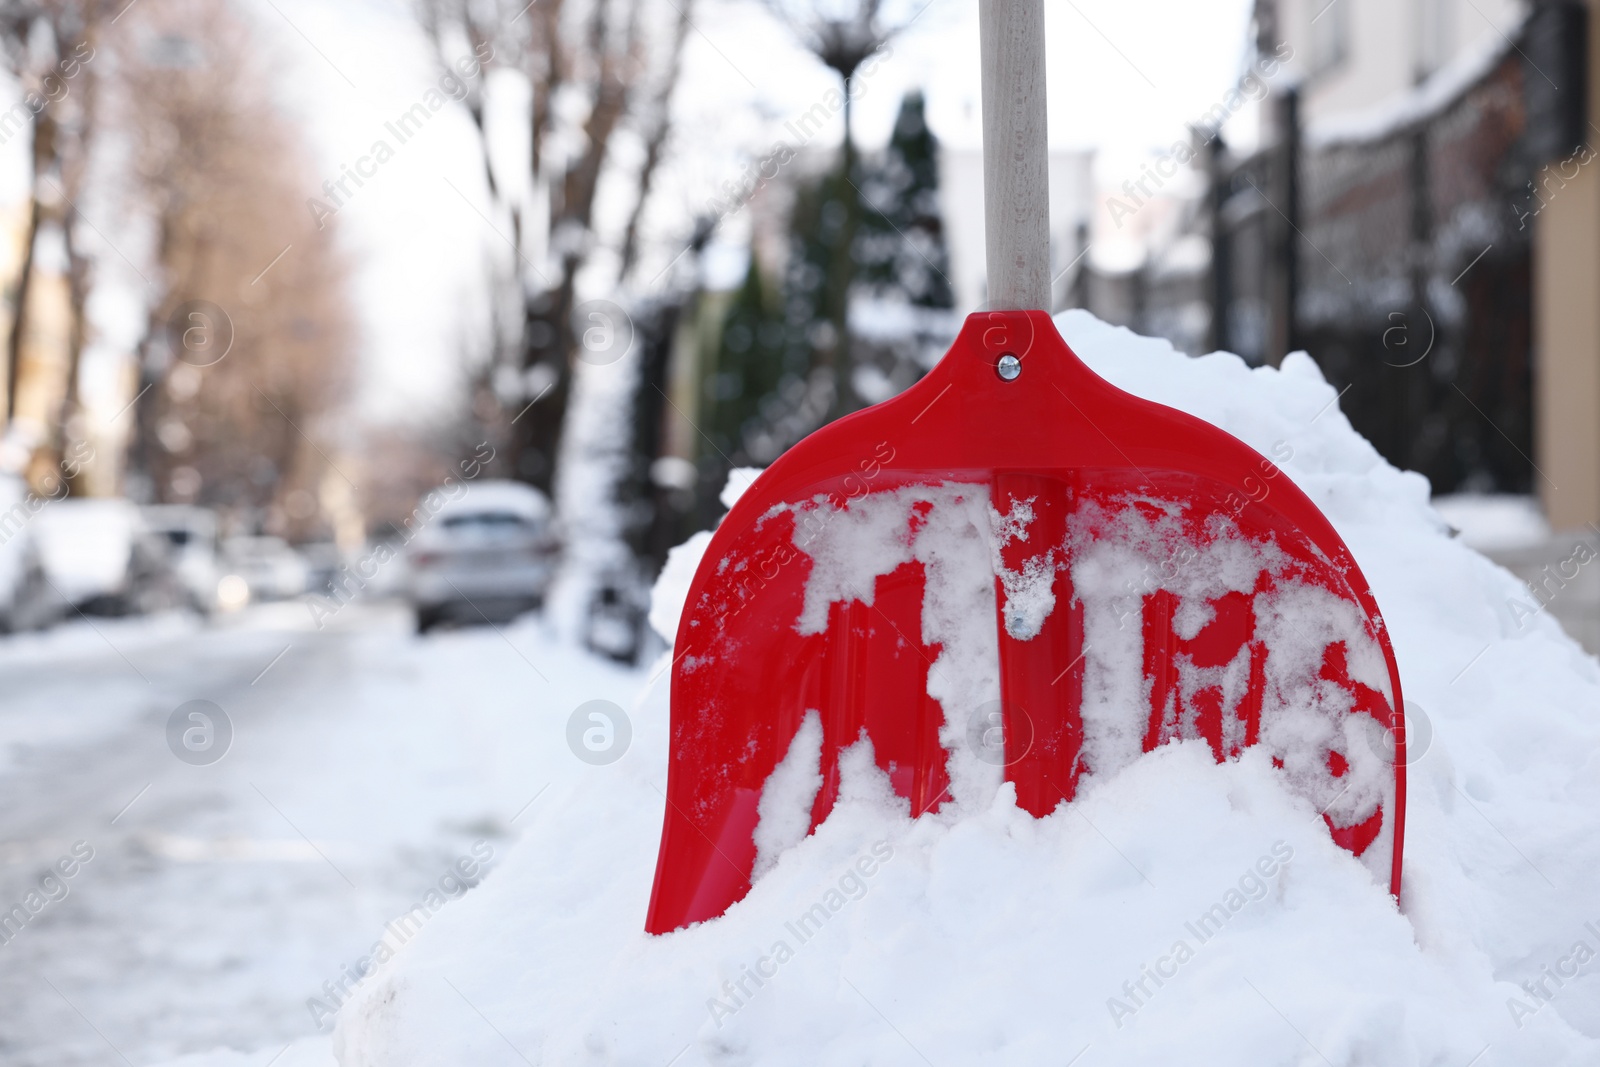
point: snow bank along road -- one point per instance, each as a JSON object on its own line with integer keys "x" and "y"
{"x": 152, "y": 905}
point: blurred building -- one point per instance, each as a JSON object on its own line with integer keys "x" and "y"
{"x": 1423, "y": 219}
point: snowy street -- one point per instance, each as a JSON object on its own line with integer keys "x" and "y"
{"x": 799, "y": 533}
{"x": 364, "y": 764}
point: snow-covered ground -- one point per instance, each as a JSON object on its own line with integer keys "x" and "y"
{"x": 1178, "y": 911}
{"x": 367, "y": 769}
{"x": 981, "y": 935}
{"x": 1555, "y": 565}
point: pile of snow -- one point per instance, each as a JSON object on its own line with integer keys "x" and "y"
{"x": 1177, "y": 911}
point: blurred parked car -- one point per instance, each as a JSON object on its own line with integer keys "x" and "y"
{"x": 488, "y": 555}
{"x": 188, "y": 538}
{"x": 94, "y": 556}
{"x": 255, "y": 569}
{"x": 323, "y": 561}
{"x": 14, "y": 550}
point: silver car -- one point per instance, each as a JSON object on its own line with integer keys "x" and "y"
{"x": 488, "y": 555}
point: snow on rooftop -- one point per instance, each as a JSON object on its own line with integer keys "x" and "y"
{"x": 1435, "y": 93}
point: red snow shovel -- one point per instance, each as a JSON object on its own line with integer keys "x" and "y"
{"x": 1235, "y": 614}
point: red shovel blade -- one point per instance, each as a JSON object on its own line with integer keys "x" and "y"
{"x": 1154, "y": 579}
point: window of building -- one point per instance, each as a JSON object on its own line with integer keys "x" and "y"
{"x": 1330, "y": 33}
{"x": 1435, "y": 35}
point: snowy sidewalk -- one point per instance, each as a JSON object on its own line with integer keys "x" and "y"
{"x": 1558, "y": 568}
{"x": 1562, "y": 579}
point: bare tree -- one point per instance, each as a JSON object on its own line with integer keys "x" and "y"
{"x": 49, "y": 47}
{"x": 597, "y": 70}
{"x": 249, "y": 339}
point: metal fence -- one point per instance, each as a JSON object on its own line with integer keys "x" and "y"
{"x": 1400, "y": 256}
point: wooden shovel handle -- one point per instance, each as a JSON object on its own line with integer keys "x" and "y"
{"x": 1015, "y": 169}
